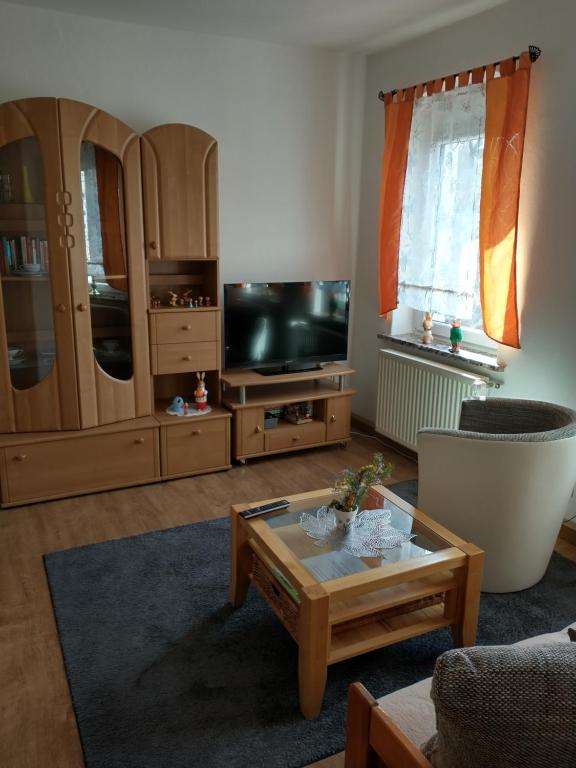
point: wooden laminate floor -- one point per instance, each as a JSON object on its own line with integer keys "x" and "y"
{"x": 37, "y": 724}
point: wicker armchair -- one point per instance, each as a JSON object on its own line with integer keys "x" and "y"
{"x": 503, "y": 481}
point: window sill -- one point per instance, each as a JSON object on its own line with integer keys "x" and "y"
{"x": 438, "y": 349}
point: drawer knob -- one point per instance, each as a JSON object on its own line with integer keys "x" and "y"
{"x": 186, "y": 327}
{"x": 61, "y": 307}
{"x": 20, "y": 457}
{"x": 187, "y": 358}
{"x": 82, "y": 307}
{"x": 196, "y": 431}
{"x": 332, "y": 418}
{"x": 296, "y": 438}
{"x": 153, "y": 244}
{"x": 258, "y": 429}
{"x": 139, "y": 440}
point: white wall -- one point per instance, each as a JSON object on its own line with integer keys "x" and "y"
{"x": 545, "y": 367}
{"x": 289, "y": 141}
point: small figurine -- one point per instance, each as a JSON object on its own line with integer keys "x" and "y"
{"x": 200, "y": 301}
{"x": 455, "y": 336}
{"x": 427, "y": 337}
{"x": 176, "y": 407}
{"x": 173, "y": 299}
{"x": 201, "y": 393}
{"x": 191, "y": 303}
{"x": 207, "y": 301}
{"x": 154, "y": 301}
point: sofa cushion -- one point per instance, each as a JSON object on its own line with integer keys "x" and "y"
{"x": 505, "y": 706}
{"x": 412, "y": 709}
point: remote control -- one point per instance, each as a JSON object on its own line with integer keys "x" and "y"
{"x": 273, "y": 505}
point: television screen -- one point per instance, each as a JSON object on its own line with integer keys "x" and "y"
{"x": 285, "y": 324}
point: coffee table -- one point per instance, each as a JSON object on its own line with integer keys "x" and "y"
{"x": 337, "y": 606}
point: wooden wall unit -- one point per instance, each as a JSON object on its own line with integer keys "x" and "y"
{"x": 77, "y": 373}
{"x": 179, "y": 168}
{"x": 109, "y": 306}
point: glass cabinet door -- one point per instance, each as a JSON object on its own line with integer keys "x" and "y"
{"x": 106, "y": 263}
{"x": 25, "y": 265}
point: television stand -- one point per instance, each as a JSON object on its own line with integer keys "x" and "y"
{"x": 249, "y": 394}
{"x": 277, "y": 371}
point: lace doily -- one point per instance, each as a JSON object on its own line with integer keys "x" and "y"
{"x": 368, "y": 536}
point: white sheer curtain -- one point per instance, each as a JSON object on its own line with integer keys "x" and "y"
{"x": 439, "y": 248}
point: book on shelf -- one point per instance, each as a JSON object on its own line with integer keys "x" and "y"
{"x": 17, "y": 252}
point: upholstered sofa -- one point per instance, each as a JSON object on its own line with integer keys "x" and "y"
{"x": 390, "y": 732}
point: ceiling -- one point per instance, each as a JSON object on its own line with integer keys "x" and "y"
{"x": 353, "y": 25}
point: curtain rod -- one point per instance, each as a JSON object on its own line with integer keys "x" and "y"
{"x": 533, "y": 51}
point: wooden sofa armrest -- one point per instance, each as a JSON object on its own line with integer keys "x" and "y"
{"x": 373, "y": 740}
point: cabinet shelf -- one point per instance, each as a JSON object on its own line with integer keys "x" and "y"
{"x": 246, "y": 378}
{"x": 168, "y": 310}
{"x": 284, "y": 394}
{"x": 164, "y": 418}
{"x": 30, "y": 278}
{"x": 176, "y": 279}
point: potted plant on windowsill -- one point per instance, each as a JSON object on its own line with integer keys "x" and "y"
{"x": 352, "y": 487}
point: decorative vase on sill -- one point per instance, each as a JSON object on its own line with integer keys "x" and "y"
{"x": 353, "y": 486}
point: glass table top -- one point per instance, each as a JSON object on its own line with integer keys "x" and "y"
{"x": 327, "y": 560}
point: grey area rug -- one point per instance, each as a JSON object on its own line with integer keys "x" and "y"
{"x": 164, "y": 674}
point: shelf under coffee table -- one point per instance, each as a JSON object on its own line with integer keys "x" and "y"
{"x": 337, "y": 606}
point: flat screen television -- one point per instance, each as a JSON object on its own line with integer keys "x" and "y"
{"x": 278, "y": 327}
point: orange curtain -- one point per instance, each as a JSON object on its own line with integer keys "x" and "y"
{"x": 506, "y": 105}
{"x": 398, "y": 119}
{"x": 109, "y": 178}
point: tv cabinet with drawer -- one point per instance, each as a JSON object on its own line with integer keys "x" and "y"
{"x": 249, "y": 395}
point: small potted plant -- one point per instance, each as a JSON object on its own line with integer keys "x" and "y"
{"x": 352, "y": 487}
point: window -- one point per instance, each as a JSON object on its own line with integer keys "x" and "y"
{"x": 439, "y": 257}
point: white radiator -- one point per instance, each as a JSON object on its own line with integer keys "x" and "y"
{"x": 415, "y": 393}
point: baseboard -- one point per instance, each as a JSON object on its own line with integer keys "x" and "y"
{"x": 360, "y": 424}
{"x": 568, "y": 533}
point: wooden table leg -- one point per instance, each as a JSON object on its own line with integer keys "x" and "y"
{"x": 314, "y": 642}
{"x": 240, "y": 560}
{"x": 464, "y": 631}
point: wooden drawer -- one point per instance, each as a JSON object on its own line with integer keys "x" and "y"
{"x": 178, "y": 327}
{"x": 183, "y": 358}
{"x": 195, "y": 446}
{"x": 295, "y": 435}
{"x": 80, "y": 464}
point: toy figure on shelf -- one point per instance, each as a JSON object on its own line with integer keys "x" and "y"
{"x": 455, "y": 336}
{"x": 201, "y": 393}
{"x": 176, "y": 407}
{"x": 173, "y": 299}
{"x": 200, "y": 301}
{"x": 427, "y": 337}
{"x": 207, "y": 301}
{"x": 186, "y": 298}
{"x": 154, "y": 301}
